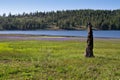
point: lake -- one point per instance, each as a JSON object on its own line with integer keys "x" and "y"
{"x": 105, "y": 34}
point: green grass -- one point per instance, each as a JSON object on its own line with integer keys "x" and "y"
{"x": 59, "y": 60}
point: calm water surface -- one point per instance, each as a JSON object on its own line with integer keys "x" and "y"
{"x": 106, "y": 34}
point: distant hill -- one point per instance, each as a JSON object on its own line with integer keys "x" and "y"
{"x": 62, "y": 20}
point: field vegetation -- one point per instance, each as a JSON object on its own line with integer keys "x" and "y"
{"x": 59, "y": 60}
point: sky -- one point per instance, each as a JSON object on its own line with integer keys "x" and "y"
{"x": 20, "y": 6}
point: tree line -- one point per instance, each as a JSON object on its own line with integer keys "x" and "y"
{"x": 62, "y": 20}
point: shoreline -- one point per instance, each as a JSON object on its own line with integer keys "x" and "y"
{"x": 47, "y": 37}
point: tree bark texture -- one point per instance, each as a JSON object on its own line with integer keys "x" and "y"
{"x": 89, "y": 48}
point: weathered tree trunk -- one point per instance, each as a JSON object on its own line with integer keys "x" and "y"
{"x": 89, "y": 48}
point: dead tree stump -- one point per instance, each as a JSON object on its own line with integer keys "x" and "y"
{"x": 89, "y": 48}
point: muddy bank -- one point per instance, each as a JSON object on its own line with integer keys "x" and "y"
{"x": 42, "y": 37}
{"x": 37, "y": 37}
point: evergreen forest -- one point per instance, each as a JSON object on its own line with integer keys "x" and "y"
{"x": 62, "y": 20}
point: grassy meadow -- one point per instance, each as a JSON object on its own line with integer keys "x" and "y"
{"x": 59, "y": 60}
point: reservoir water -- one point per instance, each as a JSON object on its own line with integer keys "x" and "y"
{"x": 103, "y": 34}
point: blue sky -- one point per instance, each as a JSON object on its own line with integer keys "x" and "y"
{"x": 20, "y": 6}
